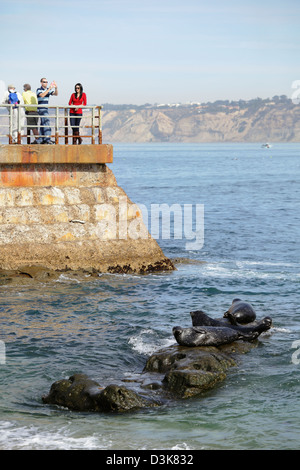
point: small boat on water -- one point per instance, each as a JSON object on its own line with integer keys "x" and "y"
{"x": 266, "y": 146}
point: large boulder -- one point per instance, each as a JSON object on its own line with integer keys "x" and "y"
{"x": 83, "y": 394}
{"x": 188, "y": 372}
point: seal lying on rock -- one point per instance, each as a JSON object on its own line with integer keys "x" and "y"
{"x": 217, "y": 335}
{"x": 199, "y": 318}
{"x": 240, "y": 312}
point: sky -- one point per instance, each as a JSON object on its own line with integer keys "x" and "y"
{"x": 158, "y": 51}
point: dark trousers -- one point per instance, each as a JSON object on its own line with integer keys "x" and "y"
{"x": 75, "y": 122}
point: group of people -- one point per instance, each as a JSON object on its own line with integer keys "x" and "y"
{"x": 34, "y": 113}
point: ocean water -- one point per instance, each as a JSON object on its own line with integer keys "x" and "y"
{"x": 107, "y": 326}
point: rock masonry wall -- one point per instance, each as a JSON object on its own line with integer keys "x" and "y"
{"x": 71, "y": 216}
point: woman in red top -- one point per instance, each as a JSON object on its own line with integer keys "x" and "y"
{"x": 77, "y": 98}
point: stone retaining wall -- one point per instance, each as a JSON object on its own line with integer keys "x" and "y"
{"x": 71, "y": 214}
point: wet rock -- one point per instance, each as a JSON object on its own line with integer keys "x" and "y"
{"x": 118, "y": 398}
{"x": 175, "y": 372}
{"x": 189, "y": 383}
{"x": 80, "y": 393}
{"x": 187, "y": 372}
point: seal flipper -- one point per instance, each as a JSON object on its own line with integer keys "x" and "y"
{"x": 230, "y": 317}
{"x": 263, "y": 326}
{"x": 249, "y": 336}
{"x": 198, "y": 329}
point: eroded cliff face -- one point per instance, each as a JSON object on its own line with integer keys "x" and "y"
{"x": 70, "y": 216}
{"x": 267, "y": 123}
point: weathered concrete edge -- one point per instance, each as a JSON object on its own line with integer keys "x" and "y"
{"x": 38, "y": 154}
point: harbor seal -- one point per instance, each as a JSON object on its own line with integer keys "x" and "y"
{"x": 199, "y": 318}
{"x": 240, "y": 312}
{"x": 218, "y": 335}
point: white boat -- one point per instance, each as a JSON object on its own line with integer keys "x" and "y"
{"x": 266, "y": 146}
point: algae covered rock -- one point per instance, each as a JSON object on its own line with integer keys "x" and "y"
{"x": 175, "y": 372}
{"x": 190, "y": 371}
{"x": 80, "y": 393}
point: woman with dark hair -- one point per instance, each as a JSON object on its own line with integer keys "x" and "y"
{"x": 77, "y": 98}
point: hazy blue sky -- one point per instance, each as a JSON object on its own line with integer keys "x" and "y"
{"x": 156, "y": 51}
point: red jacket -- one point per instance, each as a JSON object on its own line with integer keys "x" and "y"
{"x": 77, "y": 101}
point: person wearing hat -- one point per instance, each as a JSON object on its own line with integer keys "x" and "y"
{"x": 30, "y": 99}
{"x": 13, "y": 98}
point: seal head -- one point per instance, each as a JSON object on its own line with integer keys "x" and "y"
{"x": 240, "y": 312}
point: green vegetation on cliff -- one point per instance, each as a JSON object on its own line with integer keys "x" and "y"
{"x": 273, "y": 119}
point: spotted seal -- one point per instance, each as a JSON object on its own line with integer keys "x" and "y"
{"x": 218, "y": 335}
{"x": 240, "y": 312}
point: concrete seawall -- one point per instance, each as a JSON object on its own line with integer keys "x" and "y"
{"x": 61, "y": 209}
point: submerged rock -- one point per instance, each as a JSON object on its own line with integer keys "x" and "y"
{"x": 175, "y": 372}
{"x": 80, "y": 393}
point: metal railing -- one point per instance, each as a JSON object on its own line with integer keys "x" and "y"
{"x": 15, "y": 127}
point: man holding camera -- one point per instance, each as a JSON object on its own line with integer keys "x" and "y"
{"x": 43, "y": 94}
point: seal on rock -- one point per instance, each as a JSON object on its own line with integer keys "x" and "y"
{"x": 199, "y": 318}
{"x": 240, "y": 312}
{"x": 218, "y": 335}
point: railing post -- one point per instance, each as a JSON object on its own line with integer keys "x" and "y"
{"x": 19, "y": 125}
{"x": 66, "y": 127}
{"x": 100, "y": 126}
{"x": 27, "y": 132}
{"x": 56, "y": 125}
{"x": 10, "y": 140}
{"x": 93, "y": 125}
{"x": 26, "y": 127}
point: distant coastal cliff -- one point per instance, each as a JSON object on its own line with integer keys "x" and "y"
{"x": 259, "y": 120}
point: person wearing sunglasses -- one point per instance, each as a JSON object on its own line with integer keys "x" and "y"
{"x": 78, "y": 98}
{"x": 43, "y": 94}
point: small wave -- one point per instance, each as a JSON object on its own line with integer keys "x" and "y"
{"x": 66, "y": 278}
{"x": 249, "y": 270}
{"x": 211, "y": 290}
{"x": 33, "y": 438}
{"x": 242, "y": 264}
{"x": 147, "y": 342}
{"x": 280, "y": 330}
{"x": 182, "y": 446}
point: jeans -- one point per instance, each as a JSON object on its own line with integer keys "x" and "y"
{"x": 75, "y": 122}
{"x": 45, "y": 130}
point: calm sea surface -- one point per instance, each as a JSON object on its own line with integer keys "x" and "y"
{"x": 108, "y": 326}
